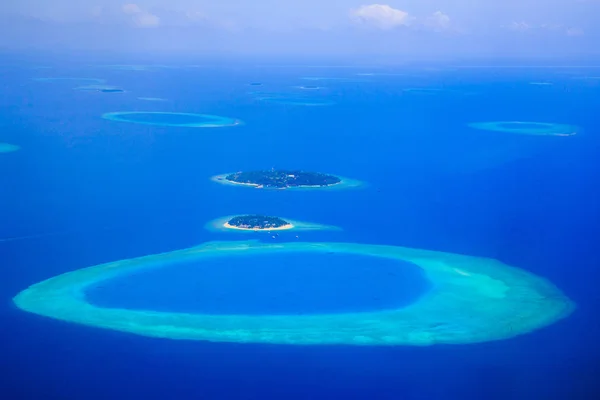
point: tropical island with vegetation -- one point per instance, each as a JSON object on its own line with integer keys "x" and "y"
{"x": 257, "y": 223}
{"x": 282, "y": 179}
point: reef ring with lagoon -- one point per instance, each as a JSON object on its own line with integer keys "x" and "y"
{"x": 472, "y": 300}
{"x": 175, "y": 119}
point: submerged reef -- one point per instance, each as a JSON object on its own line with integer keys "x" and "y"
{"x": 527, "y": 128}
{"x": 152, "y": 99}
{"x": 257, "y": 222}
{"x": 90, "y": 81}
{"x": 296, "y": 101}
{"x": 282, "y": 179}
{"x": 292, "y": 99}
{"x": 471, "y": 300}
{"x": 309, "y": 87}
{"x": 185, "y": 120}
{"x": 8, "y": 148}
{"x": 100, "y": 88}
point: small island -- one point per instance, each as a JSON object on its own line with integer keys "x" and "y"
{"x": 282, "y": 179}
{"x": 257, "y": 223}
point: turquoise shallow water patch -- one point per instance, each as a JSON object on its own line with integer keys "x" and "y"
{"x": 8, "y": 148}
{"x": 527, "y": 128}
{"x": 186, "y": 120}
{"x": 472, "y": 300}
{"x": 297, "y": 101}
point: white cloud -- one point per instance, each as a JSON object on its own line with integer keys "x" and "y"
{"x": 438, "y": 21}
{"x": 195, "y": 16}
{"x": 381, "y": 16}
{"x": 139, "y": 17}
{"x": 575, "y": 32}
{"x": 556, "y": 28}
{"x": 146, "y": 20}
{"x": 520, "y": 26}
{"x": 131, "y": 9}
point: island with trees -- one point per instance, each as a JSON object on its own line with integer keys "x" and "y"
{"x": 257, "y": 223}
{"x": 282, "y": 179}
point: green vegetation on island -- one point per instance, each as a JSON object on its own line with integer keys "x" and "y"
{"x": 282, "y": 179}
{"x": 257, "y": 222}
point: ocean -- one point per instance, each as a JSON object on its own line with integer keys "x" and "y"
{"x": 83, "y": 190}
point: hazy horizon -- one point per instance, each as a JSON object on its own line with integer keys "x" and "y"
{"x": 338, "y": 28}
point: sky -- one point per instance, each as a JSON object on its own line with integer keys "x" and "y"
{"x": 403, "y": 28}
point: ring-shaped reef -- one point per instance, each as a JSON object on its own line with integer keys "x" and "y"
{"x": 8, "y": 148}
{"x": 259, "y": 223}
{"x": 176, "y": 119}
{"x": 286, "y": 179}
{"x": 527, "y": 128}
{"x": 471, "y": 300}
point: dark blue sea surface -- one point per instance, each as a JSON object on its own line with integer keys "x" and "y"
{"x": 83, "y": 190}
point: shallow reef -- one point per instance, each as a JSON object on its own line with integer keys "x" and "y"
{"x": 8, "y": 148}
{"x": 472, "y": 300}
{"x": 527, "y": 128}
{"x": 185, "y": 120}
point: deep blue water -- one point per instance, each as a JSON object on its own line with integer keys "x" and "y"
{"x": 83, "y": 190}
{"x": 290, "y": 284}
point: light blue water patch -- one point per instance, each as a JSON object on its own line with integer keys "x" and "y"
{"x": 81, "y": 81}
{"x": 152, "y": 99}
{"x": 187, "y": 120}
{"x": 430, "y": 91}
{"x": 100, "y": 88}
{"x": 298, "y": 283}
{"x": 528, "y": 128}
{"x": 125, "y": 67}
{"x": 8, "y": 148}
{"x": 296, "y": 101}
{"x": 330, "y": 78}
{"x": 309, "y": 87}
